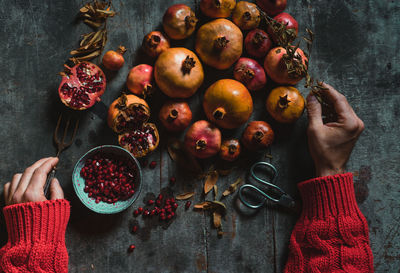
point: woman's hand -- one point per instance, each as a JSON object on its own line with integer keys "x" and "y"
{"x": 331, "y": 144}
{"x": 29, "y": 186}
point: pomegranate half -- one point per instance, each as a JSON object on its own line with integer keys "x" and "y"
{"x": 82, "y": 85}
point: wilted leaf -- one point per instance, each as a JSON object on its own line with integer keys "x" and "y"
{"x": 92, "y": 23}
{"x": 217, "y": 219}
{"x": 184, "y": 196}
{"x": 87, "y": 57}
{"x": 211, "y": 180}
{"x": 232, "y": 188}
{"x": 215, "y": 192}
{"x": 212, "y": 205}
{"x": 204, "y": 206}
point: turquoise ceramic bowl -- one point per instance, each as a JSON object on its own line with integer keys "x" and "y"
{"x": 79, "y": 182}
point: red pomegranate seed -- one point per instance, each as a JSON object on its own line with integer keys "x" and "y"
{"x": 158, "y": 202}
{"x": 146, "y": 213}
{"x": 187, "y": 204}
{"x": 131, "y": 248}
{"x": 150, "y": 202}
{"x": 175, "y": 206}
{"x": 153, "y": 212}
{"x": 172, "y": 179}
{"x": 169, "y": 217}
{"x": 153, "y": 164}
{"x": 140, "y": 209}
{"x": 160, "y": 197}
{"x": 134, "y": 229}
{"x": 172, "y": 200}
{"x": 173, "y": 214}
{"x": 136, "y": 213}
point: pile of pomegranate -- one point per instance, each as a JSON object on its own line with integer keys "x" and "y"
{"x": 108, "y": 178}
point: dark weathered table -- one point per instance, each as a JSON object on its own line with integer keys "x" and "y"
{"x": 356, "y": 50}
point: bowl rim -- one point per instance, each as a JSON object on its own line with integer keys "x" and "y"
{"x": 140, "y": 178}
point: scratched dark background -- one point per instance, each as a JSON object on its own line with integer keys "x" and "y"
{"x": 356, "y": 50}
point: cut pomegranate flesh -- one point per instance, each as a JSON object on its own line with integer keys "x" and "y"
{"x": 132, "y": 117}
{"x": 140, "y": 141}
{"x": 82, "y": 86}
{"x": 108, "y": 178}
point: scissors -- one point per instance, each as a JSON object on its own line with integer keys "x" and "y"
{"x": 284, "y": 200}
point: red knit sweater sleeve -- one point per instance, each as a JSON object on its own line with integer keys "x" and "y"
{"x": 331, "y": 234}
{"x": 36, "y": 237}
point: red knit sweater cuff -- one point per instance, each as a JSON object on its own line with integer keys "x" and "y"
{"x": 328, "y": 196}
{"x": 37, "y": 221}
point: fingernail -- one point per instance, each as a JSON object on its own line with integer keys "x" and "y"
{"x": 311, "y": 98}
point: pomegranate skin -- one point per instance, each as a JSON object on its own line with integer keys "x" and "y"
{"x": 285, "y": 104}
{"x": 250, "y": 73}
{"x": 257, "y": 43}
{"x": 113, "y": 60}
{"x": 291, "y": 25}
{"x": 275, "y": 66}
{"x": 228, "y": 103}
{"x": 203, "y": 140}
{"x": 257, "y": 135}
{"x": 246, "y": 15}
{"x": 179, "y": 21}
{"x": 175, "y": 115}
{"x": 272, "y": 7}
{"x": 76, "y": 78}
{"x": 230, "y": 150}
{"x": 139, "y": 80}
{"x": 217, "y": 8}
{"x": 155, "y": 43}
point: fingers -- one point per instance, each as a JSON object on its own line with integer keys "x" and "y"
{"x": 13, "y": 186}
{"x": 6, "y": 189}
{"x": 342, "y": 107}
{"x": 39, "y": 176}
{"x": 314, "y": 112}
{"x": 56, "y": 191}
{"x": 27, "y": 176}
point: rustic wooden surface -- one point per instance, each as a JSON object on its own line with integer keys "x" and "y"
{"x": 356, "y": 50}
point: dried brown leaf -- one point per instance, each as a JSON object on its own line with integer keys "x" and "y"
{"x": 204, "y": 205}
{"x": 217, "y": 219}
{"x": 86, "y": 57}
{"x": 212, "y": 205}
{"x": 211, "y": 180}
{"x": 184, "y": 196}
{"x": 92, "y": 23}
{"x": 215, "y": 192}
{"x": 233, "y": 187}
{"x": 86, "y": 38}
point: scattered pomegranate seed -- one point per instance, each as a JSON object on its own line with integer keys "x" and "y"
{"x": 150, "y": 202}
{"x": 153, "y": 164}
{"x": 172, "y": 200}
{"x": 160, "y": 197}
{"x": 146, "y": 213}
{"x": 187, "y": 204}
{"x": 131, "y": 248}
{"x": 169, "y": 217}
{"x": 153, "y": 212}
{"x": 134, "y": 229}
{"x": 172, "y": 179}
{"x": 140, "y": 209}
{"x": 175, "y": 206}
{"x": 135, "y": 213}
{"x": 158, "y": 202}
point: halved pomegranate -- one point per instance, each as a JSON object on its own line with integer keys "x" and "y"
{"x": 82, "y": 85}
{"x": 141, "y": 140}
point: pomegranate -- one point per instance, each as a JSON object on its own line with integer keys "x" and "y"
{"x": 228, "y": 103}
{"x": 139, "y": 80}
{"x": 175, "y": 115}
{"x": 140, "y": 140}
{"x": 203, "y": 139}
{"x": 277, "y": 62}
{"x": 285, "y": 104}
{"x": 257, "y": 43}
{"x": 219, "y": 43}
{"x": 113, "y": 60}
{"x": 257, "y": 135}
{"x": 217, "y": 8}
{"x": 272, "y": 7}
{"x": 127, "y": 112}
{"x": 178, "y": 72}
{"x": 108, "y": 178}
{"x": 82, "y": 85}
{"x": 154, "y": 43}
{"x": 283, "y": 29}
{"x": 179, "y": 21}
{"x": 246, "y": 15}
{"x": 250, "y": 73}
{"x": 230, "y": 150}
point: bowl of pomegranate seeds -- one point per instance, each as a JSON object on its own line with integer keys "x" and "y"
{"x": 107, "y": 179}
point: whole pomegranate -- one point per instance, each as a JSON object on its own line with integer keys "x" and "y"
{"x": 250, "y": 73}
{"x": 178, "y": 72}
{"x": 203, "y": 139}
{"x": 179, "y": 21}
{"x": 246, "y": 15}
{"x": 285, "y": 104}
{"x": 228, "y": 103}
{"x": 154, "y": 43}
{"x": 257, "y": 43}
{"x": 272, "y": 7}
{"x": 276, "y": 65}
{"x": 257, "y": 135}
{"x": 230, "y": 150}
{"x": 113, "y": 60}
{"x": 175, "y": 115}
{"x": 82, "y": 85}
{"x": 219, "y": 43}
{"x": 283, "y": 35}
{"x": 217, "y": 8}
{"x": 128, "y": 116}
{"x": 139, "y": 80}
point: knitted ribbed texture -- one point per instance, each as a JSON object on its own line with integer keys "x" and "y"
{"x": 36, "y": 237}
{"x": 331, "y": 234}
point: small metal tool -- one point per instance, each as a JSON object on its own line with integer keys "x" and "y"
{"x": 284, "y": 199}
{"x": 61, "y": 146}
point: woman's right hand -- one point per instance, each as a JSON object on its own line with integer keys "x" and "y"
{"x": 29, "y": 186}
{"x": 331, "y": 144}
